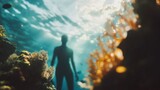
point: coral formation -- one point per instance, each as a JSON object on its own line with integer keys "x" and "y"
{"x": 24, "y": 71}
{"x": 109, "y": 56}
{"x": 2, "y": 34}
{"x": 141, "y": 53}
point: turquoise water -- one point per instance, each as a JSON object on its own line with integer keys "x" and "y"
{"x": 34, "y": 25}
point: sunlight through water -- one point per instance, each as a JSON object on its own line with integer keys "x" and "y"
{"x": 36, "y": 25}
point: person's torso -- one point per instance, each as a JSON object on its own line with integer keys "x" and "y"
{"x": 63, "y": 55}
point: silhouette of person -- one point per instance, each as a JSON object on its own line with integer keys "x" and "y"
{"x": 63, "y": 69}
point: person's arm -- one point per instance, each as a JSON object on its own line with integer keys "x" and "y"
{"x": 73, "y": 64}
{"x": 54, "y": 57}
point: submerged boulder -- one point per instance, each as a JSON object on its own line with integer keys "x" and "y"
{"x": 6, "y": 47}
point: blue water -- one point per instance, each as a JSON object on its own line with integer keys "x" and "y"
{"x": 34, "y": 25}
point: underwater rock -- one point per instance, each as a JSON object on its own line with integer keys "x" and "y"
{"x": 6, "y": 49}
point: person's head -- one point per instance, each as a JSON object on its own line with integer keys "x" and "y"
{"x": 64, "y": 39}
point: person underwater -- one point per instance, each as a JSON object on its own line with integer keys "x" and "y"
{"x": 63, "y": 70}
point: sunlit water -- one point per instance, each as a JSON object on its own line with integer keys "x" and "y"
{"x": 38, "y": 24}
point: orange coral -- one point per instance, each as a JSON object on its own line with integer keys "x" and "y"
{"x": 104, "y": 61}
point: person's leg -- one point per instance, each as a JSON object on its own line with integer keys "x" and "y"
{"x": 69, "y": 79}
{"x": 59, "y": 80}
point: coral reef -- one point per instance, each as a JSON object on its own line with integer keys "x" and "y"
{"x": 141, "y": 53}
{"x": 25, "y": 71}
{"x": 110, "y": 55}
